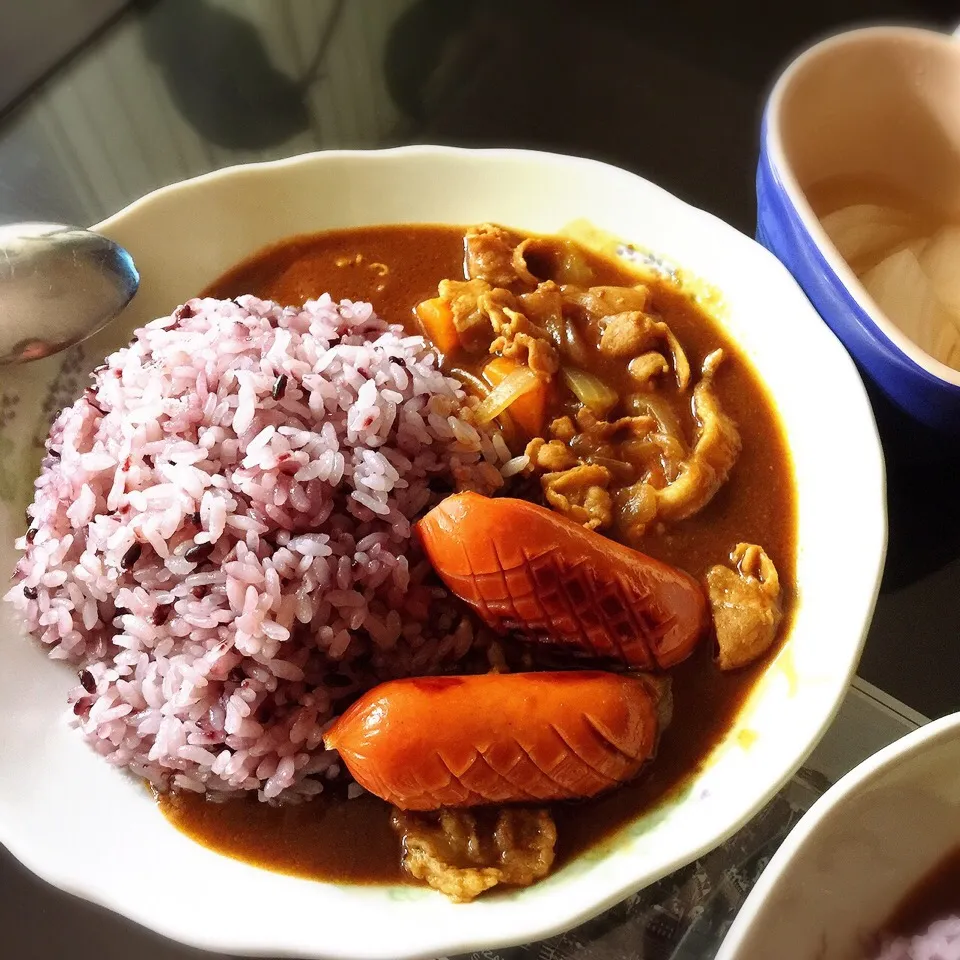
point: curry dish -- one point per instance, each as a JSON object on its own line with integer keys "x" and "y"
{"x": 648, "y": 458}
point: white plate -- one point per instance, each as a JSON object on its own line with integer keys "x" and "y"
{"x": 857, "y": 853}
{"x": 91, "y": 830}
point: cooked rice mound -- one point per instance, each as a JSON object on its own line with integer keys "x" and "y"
{"x": 940, "y": 941}
{"x": 221, "y": 537}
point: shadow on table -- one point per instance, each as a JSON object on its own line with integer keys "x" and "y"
{"x": 912, "y": 648}
{"x": 216, "y": 67}
{"x": 923, "y": 495}
{"x": 41, "y": 922}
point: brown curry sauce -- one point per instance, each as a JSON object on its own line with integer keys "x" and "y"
{"x": 395, "y": 268}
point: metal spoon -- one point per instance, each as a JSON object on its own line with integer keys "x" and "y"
{"x": 58, "y": 286}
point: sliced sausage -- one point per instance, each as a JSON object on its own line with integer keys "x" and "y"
{"x": 433, "y": 742}
{"x": 528, "y": 570}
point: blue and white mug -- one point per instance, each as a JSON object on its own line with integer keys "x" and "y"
{"x": 874, "y": 105}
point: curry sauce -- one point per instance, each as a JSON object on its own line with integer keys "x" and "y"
{"x": 395, "y": 268}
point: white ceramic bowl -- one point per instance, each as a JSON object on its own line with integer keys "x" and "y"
{"x": 93, "y": 831}
{"x": 857, "y": 853}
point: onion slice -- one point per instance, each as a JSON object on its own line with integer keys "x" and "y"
{"x": 468, "y": 380}
{"x": 905, "y": 294}
{"x": 940, "y": 260}
{"x": 510, "y": 389}
{"x": 865, "y": 233}
{"x": 591, "y": 391}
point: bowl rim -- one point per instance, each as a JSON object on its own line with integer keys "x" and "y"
{"x": 871, "y": 314}
{"x": 848, "y": 787}
{"x": 539, "y": 922}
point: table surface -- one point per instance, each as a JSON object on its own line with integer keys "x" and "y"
{"x": 174, "y": 88}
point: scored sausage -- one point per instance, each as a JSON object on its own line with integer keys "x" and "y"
{"x": 526, "y": 569}
{"x": 433, "y": 742}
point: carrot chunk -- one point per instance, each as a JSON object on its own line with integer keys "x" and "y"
{"x": 436, "y": 316}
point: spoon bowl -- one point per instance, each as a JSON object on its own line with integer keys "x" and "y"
{"x": 58, "y": 285}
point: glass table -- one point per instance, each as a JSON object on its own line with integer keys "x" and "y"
{"x": 174, "y": 88}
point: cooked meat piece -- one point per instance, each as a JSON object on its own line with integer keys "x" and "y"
{"x": 483, "y": 478}
{"x": 627, "y": 334}
{"x": 520, "y": 339}
{"x": 552, "y": 257}
{"x": 544, "y": 306}
{"x": 606, "y": 301}
{"x": 461, "y": 859}
{"x": 580, "y": 493}
{"x": 540, "y": 355}
{"x": 636, "y": 510}
{"x": 596, "y": 430}
{"x": 606, "y": 438}
{"x": 621, "y": 447}
{"x": 539, "y": 257}
{"x": 587, "y": 419}
{"x": 714, "y": 453}
{"x": 519, "y": 260}
{"x": 526, "y": 841}
{"x": 552, "y": 455}
{"x": 645, "y": 368}
{"x": 745, "y": 603}
{"x": 676, "y": 485}
{"x": 563, "y": 429}
{"x": 469, "y": 316}
{"x": 490, "y": 256}
{"x": 498, "y": 299}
